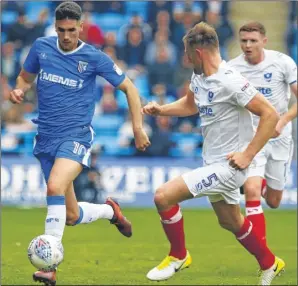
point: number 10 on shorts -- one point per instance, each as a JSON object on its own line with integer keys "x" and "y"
{"x": 78, "y": 148}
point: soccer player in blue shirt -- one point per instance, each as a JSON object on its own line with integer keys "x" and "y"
{"x": 66, "y": 69}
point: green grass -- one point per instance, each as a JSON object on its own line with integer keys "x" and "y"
{"x": 97, "y": 254}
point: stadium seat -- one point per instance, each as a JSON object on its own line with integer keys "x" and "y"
{"x": 110, "y": 146}
{"x": 121, "y": 100}
{"x": 104, "y": 123}
{"x": 142, "y": 84}
{"x": 3, "y": 37}
{"x": 30, "y": 116}
{"x": 7, "y": 18}
{"x": 136, "y": 7}
{"x": 108, "y": 21}
{"x": 185, "y": 145}
{"x": 34, "y": 8}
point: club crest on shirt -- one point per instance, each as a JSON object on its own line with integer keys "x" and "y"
{"x": 268, "y": 76}
{"x": 43, "y": 55}
{"x": 210, "y": 96}
{"x": 82, "y": 66}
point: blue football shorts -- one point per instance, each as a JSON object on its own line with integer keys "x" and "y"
{"x": 76, "y": 147}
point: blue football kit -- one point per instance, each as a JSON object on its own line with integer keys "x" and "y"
{"x": 66, "y": 98}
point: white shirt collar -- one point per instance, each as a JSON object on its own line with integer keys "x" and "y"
{"x": 71, "y": 52}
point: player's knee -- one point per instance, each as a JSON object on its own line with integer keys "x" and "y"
{"x": 252, "y": 191}
{"x": 273, "y": 202}
{"x": 160, "y": 199}
{"x": 53, "y": 189}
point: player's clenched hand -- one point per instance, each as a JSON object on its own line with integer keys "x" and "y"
{"x": 152, "y": 108}
{"x": 141, "y": 139}
{"x": 16, "y": 96}
{"x": 239, "y": 160}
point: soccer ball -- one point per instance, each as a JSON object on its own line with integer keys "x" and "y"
{"x": 45, "y": 252}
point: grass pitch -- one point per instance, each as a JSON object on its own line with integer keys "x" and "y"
{"x": 96, "y": 254}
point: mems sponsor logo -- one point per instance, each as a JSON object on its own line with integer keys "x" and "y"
{"x": 60, "y": 79}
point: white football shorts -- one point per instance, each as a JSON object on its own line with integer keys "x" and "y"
{"x": 273, "y": 162}
{"x": 218, "y": 181}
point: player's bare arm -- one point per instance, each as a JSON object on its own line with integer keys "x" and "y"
{"x": 185, "y": 106}
{"x": 133, "y": 99}
{"x": 24, "y": 83}
{"x": 266, "y": 129}
{"x": 290, "y": 115}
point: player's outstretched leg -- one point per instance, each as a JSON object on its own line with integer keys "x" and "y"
{"x": 109, "y": 210}
{"x": 271, "y": 266}
{"x": 48, "y": 278}
{"x": 89, "y": 213}
{"x": 178, "y": 258}
{"x": 167, "y": 198}
{"x": 58, "y": 178}
{"x": 230, "y": 218}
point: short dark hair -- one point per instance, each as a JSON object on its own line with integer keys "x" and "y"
{"x": 253, "y": 27}
{"x": 202, "y": 35}
{"x": 70, "y": 10}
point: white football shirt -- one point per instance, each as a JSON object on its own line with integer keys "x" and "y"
{"x": 272, "y": 78}
{"x": 226, "y": 124}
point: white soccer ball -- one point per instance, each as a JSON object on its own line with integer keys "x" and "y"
{"x": 45, "y": 252}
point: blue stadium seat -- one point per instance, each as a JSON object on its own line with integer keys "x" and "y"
{"x": 30, "y": 116}
{"x": 138, "y": 7}
{"x": 104, "y": 123}
{"x": 186, "y": 145}
{"x": 110, "y": 145}
{"x": 121, "y": 100}
{"x": 3, "y": 37}
{"x": 33, "y": 9}
{"x": 142, "y": 84}
{"x": 8, "y": 17}
{"x": 108, "y": 21}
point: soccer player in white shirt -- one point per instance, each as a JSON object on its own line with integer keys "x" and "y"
{"x": 224, "y": 98}
{"x": 275, "y": 75}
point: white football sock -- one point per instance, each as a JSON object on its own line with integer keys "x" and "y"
{"x": 56, "y": 216}
{"x": 92, "y": 212}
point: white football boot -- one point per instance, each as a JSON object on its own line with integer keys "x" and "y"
{"x": 168, "y": 267}
{"x": 266, "y": 276}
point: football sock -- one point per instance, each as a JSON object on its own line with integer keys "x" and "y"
{"x": 92, "y": 212}
{"x": 254, "y": 212}
{"x": 172, "y": 222}
{"x": 249, "y": 238}
{"x": 56, "y": 216}
{"x": 263, "y": 188}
